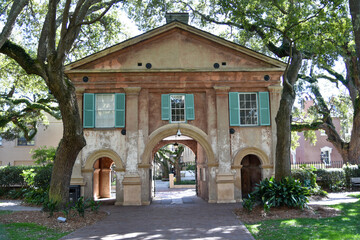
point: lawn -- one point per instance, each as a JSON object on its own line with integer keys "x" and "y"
{"x": 28, "y": 231}
{"x": 346, "y": 226}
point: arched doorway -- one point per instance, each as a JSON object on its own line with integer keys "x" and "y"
{"x": 204, "y": 156}
{"x": 250, "y": 173}
{"x": 103, "y": 178}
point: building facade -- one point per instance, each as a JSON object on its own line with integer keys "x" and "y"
{"x": 175, "y": 81}
{"x": 17, "y": 152}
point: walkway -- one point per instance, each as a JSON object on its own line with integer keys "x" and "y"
{"x": 173, "y": 214}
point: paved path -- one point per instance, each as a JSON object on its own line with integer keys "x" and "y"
{"x": 195, "y": 220}
{"x": 15, "y": 205}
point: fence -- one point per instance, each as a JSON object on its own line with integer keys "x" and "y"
{"x": 318, "y": 165}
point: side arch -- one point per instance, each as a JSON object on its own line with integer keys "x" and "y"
{"x": 171, "y": 129}
{"x": 104, "y": 153}
{"x": 264, "y": 159}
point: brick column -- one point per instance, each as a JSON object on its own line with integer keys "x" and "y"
{"x": 224, "y": 177}
{"x": 132, "y": 181}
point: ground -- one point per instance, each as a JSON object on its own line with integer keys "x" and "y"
{"x": 42, "y": 218}
{"x": 258, "y": 214}
{"x": 76, "y": 222}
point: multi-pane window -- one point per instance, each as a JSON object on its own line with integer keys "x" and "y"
{"x": 104, "y": 110}
{"x": 177, "y": 107}
{"x": 21, "y": 141}
{"x": 177, "y": 103}
{"x": 248, "y": 109}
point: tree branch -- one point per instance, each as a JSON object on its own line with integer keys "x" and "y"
{"x": 15, "y": 10}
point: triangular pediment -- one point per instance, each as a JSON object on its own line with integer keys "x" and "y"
{"x": 176, "y": 47}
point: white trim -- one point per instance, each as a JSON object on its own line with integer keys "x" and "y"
{"x": 327, "y": 149}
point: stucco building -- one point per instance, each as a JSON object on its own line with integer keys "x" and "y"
{"x": 17, "y": 152}
{"x": 176, "y": 80}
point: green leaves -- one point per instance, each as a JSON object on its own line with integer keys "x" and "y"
{"x": 270, "y": 193}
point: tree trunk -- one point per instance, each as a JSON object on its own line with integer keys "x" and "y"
{"x": 70, "y": 145}
{"x": 177, "y": 170}
{"x": 355, "y": 16}
{"x": 283, "y": 118}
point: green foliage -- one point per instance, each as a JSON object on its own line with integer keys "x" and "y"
{"x": 11, "y": 176}
{"x": 307, "y": 177}
{"x": 30, "y": 231}
{"x": 50, "y": 206}
{"x": 345, "y": 226}
{"x": 287, "y": 192}
{"x": 191, "y": 167}
{"x": 185, "y": 182}
{"x": 332, "y": 179}
{"x": 43, "y": 155}
{"x": 80, "y": 206}
{"x": 38, "y": 180}
{"x": 94, "y": 205}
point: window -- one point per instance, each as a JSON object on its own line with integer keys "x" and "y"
{"x": 325, "y": 155}
{"x": 249, "y": 109}
{"x": 177, "y": 107}
{"x": 21, "y": 141}
{"x": 104, "y": 110}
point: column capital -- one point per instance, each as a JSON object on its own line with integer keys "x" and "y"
{"x": 220, "y": 90}
{"x": 132, "y": 90}
{"x": 275, "y": 88}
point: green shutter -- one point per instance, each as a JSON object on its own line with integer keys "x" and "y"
{"x": 165, "y": 107}
{"x": 234, "y": 109}
{"x": 264, "y": 108}
{"x": 190, "y": 110}
{"x": 89, "y": 110}
{"x": 119, "y": 110}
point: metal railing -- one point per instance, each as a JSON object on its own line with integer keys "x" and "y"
{"x": 318, "y": 164}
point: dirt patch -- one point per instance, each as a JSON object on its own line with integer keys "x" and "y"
{"x": 258, "y": 214}
{"x": 42, "y": 218}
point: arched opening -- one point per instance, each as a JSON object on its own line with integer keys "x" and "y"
{"x": 192, "y": 137}
{"x": 250, "y": 173}
{"x": 104, "y": 179}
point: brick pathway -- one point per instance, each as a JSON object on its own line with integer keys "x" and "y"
{"x": 176, "y": 214}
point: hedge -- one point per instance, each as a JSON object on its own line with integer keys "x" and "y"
{"x": 12, "y": 175}
{"x": 333, "y": 179}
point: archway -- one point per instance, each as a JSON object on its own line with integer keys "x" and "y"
{"x": 204, "y": 153}
{"x": 111, "y": 163}
{"x": 103, "y": 178}
{"x": 250, "y": 173}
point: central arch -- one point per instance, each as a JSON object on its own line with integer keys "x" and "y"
{"x": 171, "y": 129}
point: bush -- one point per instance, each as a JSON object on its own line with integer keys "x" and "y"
{"x": 307, "y": 177}
{"x": 332, "y": 179}
{"x": 185, "y": 182}
{"x": 270, "y": 193}
{"x": 11, "y": 176}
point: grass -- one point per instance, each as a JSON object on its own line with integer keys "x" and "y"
{"x": 28, "y": 231}
{"x": 341, "y": 227}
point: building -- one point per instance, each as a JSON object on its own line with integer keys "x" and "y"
{"x": 176, "y": 80}
{"x": 17, "y": 152}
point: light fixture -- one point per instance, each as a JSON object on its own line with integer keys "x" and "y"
{"x": 178, "y": 133}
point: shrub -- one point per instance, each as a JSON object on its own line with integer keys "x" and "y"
{"x": 287, "y": 192}
{"x": 332, "y": 179}
{"x": 306, "y": 175}
{"x": 43, "y": 155}
{"x": 11, "y": 176}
